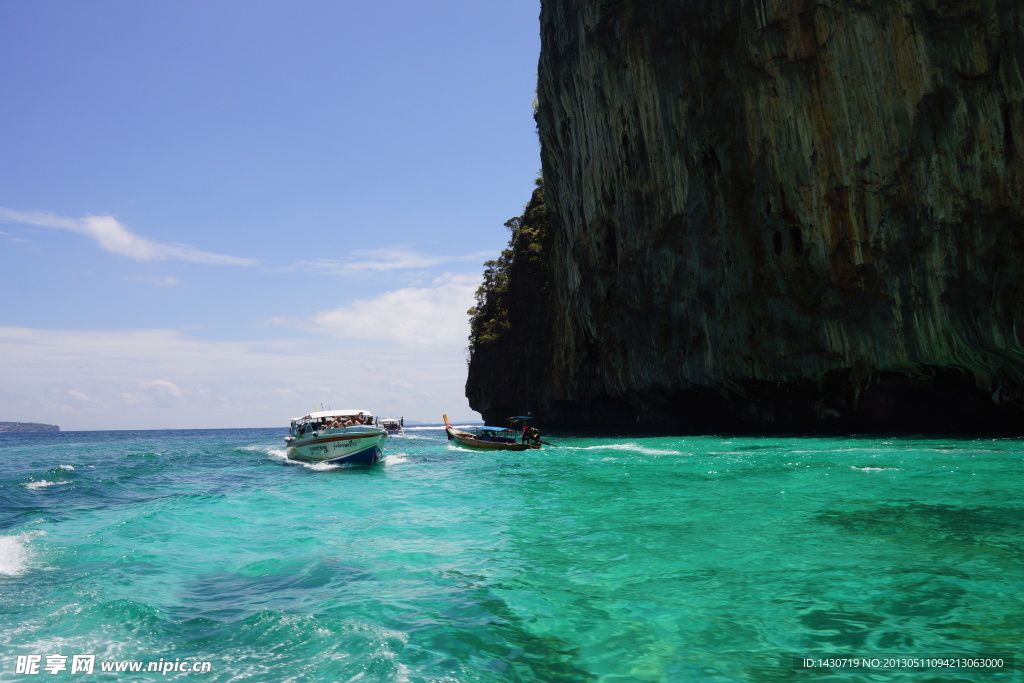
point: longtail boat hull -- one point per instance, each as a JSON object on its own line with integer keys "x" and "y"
{"x": 493, "y": 443}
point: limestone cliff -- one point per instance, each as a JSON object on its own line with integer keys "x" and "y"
{"x": 776, "y": 214}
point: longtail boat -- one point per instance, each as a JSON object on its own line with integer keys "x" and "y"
{"x": 495, "y": 438}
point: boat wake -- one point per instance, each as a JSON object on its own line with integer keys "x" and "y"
{"x": 277, "y": 453}
{"x": 626, "y": 447}
{"x": 452, "y": 446}
{"x": 317, "y": 466}
{"x": 272, "y": 451}
{"x": 281, "y": 455}
{"x": 16, "y": 552}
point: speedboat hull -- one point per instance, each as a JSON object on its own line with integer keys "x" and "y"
{"x": 341, "y": 446}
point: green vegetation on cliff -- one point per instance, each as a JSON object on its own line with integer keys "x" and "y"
{"x": 522, "y": 264}
{"x": 514, "y": 302}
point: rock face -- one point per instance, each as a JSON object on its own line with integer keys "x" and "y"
{"x": 776, "y": 215}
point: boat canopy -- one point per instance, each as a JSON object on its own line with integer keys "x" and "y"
{"x": 331, "y": 413}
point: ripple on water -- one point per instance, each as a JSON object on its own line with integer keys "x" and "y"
{"x": 601, "y": 559}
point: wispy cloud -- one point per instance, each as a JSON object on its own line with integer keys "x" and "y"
{"x": 154, "y": 280}
{"x": 113, "y": 236}
{"x": 396, "y": 258}
{"x": 159, "y": 392}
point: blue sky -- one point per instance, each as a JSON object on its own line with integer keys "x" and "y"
{"x": 224, "y": 213}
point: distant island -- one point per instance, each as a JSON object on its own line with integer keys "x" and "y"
{"x": 27, "y": 427}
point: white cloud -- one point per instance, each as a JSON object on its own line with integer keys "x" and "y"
{"x": 162, "y": 387}
{"x": 159, "y": 392}
{"x": 113, "y": 236}
{"x": 150, "y": 379}
{"x": 414, "y": 317}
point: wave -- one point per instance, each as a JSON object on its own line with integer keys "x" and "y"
{"x": 627, "y": 447}
{"x": 278, "y": 453}
{"x": 273, "y": 451}
{"x": 42, "y": 484}
{"x": 16, "y": 552}
{"x": 452, "y": 446}
{"x": 316, "y": 466}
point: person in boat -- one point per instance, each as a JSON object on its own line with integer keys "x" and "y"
{"x": 531, "y": 435}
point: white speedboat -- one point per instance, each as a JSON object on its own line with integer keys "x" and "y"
{"x": 393, "y": 425}
{"x": 336, "y": 437}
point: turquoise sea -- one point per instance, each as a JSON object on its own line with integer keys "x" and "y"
{"x": 621, "y": 559}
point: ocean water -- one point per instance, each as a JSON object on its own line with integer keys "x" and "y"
{"x": 705, "y": 559}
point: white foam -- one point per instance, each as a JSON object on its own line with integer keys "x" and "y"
{"x": 320, "y": 466}
{"x": 628, "y": 447}
{"x": 16, "y": 553}
{"x": 873, "y": 469}
{"x": 273, "y": 452}
{"x": 36, "y": 485}
{"x": 69, "y": 468}
{"x": 315, "y": 466}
